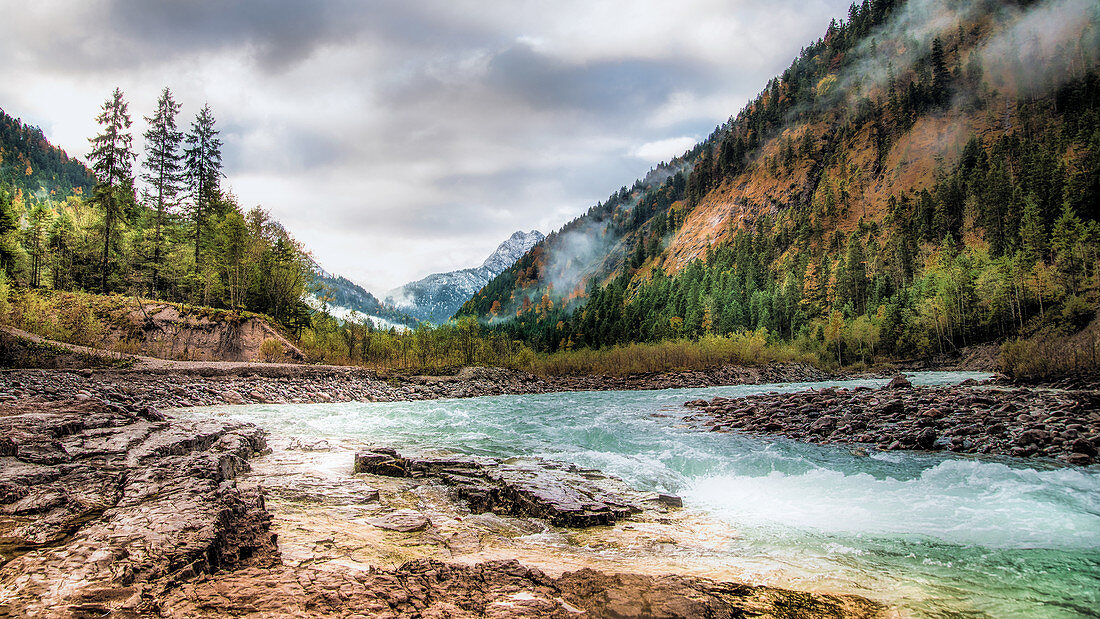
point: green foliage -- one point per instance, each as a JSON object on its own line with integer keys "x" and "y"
{"x": 33, "y": 166}
{"x": 271, "y": 349}
{"x": 5, "y": 305}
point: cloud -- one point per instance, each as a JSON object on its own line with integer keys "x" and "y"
{"x": 400, "y": 139}
{"x": 664, "y": 150}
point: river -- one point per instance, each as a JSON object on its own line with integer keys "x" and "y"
{"x": 930, "y": 534}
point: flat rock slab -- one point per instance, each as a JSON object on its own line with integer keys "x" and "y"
{"x": 403, "y": 520}
{"x": 498, "y": 589}
{"x": 103, "y": 506}
{"x": 563, "y": 494}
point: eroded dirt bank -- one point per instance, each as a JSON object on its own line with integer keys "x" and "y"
{"x": 112, "y": 508}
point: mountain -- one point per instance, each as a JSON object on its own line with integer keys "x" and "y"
{"x": 342, "y": 297}
{"x": 922, "y": 177}
{"x": 438, "y": 296}
{"x": 29, "y": 162}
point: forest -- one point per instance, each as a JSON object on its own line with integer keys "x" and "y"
{"x": 1003, "y": 242}
{"x": 180, "y": 238}
{"x": 850, "y": 266}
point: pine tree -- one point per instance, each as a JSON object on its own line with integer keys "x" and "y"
{"x": 9, "y": 226}
{"x": 164, "y": 165}
{"x": 203, "y": 168}
{"x": 112, "y": 158}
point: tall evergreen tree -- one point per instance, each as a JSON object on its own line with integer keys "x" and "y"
{"x": 203, "y": 165}
{"x": 112, "y": 159}
{"x": 164, "y": 165}
{"x": 9, "y": 226}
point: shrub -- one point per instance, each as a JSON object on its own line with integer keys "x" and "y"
{"x": 5, "y": 305}
{"x": 271, "y": 349}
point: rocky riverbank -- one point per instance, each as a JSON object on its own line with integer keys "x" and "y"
{"x": 209, "y": 385}
{"x": 111, "y": 508}
{"x": 968, "y": 418}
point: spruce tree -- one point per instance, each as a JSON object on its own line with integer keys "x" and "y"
{"x": 112, "y": 158}
{"x": 164, "y": 165}
{"x": 203, "y": 166}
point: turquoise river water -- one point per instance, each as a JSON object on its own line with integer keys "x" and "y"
{"x": 933, "y": 535}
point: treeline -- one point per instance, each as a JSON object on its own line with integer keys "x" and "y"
{"x": 180, "y": 238}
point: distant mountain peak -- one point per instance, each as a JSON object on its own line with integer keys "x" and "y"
{"x": 438, "y": 296}
{"x": 511, "y": 250}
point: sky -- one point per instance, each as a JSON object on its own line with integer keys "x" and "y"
{"x": 401, "y": 138}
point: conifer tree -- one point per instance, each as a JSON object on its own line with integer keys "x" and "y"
{"x": 203, "y": 168}
{"x": 9, "y": 226}
{"x": 164, "y": 165}
{"x": 112, "y": 159}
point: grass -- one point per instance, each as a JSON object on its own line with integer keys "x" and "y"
{"x": 1050, "y": 354}
{"x": 750, "y": 348}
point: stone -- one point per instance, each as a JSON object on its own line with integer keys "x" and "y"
{"x": 927, "y": 439}
{"x": 558, "y": 492}
{"x": 97, "y": 497}
{"x": 403, "y": 520}
{"x": 898, "y": 382}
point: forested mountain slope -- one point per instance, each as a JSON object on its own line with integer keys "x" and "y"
{"x": 340, "y": 296}
{"x": 30, "y": 163}
{"x": 924, "y": 176}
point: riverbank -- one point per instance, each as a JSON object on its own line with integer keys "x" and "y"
{"x": 209, "y": 384}
{"x": 114, "y": 508}
{"x": 995, "y": 419}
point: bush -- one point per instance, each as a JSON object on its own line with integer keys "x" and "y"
{"x": 1049, "y": 354}
{"x": 271, "y": 349}
{"x": 5, "y": 305}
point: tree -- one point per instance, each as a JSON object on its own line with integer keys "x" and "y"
{"x": 9, "y": 226}
{"x": 203, "y": 169}
{"x": 1065, "y": 240}
{"x": 164, "y": 165}
{"x": 112, "y": 159}
{"x": 35, "y": 242}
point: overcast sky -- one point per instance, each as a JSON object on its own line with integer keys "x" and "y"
{"x": 401, "y": 138}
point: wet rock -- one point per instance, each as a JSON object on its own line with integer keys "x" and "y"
{"x": 964, "y": 419}
{"x": 403, "y": 520}
{"x": 558, "y": 492}
{"x": 898, "y": 382}
{"x": 1083, "y": 447}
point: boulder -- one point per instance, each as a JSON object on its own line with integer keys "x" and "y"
{"x": 898, "y": 382}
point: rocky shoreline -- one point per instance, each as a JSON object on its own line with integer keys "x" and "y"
{"x": 970, "y": 418}
{"x": 111, "y": 508}
{"x": 281, "y": 384}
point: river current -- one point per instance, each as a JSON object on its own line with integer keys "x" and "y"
{"x": 930, "y": 534}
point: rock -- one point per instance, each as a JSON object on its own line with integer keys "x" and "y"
{"x": 381, "y": 463}
{"x": 96, "y": 497}
{"x": 898, "y": 382}
{"x": 403, "y": 520}
{"x": 1083, "y": 446}
{"x": 558, "y": 492}
{"x": 927, "y": 439}
{"x": 426, "y": 588}
{"x": 670, "y": 499}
